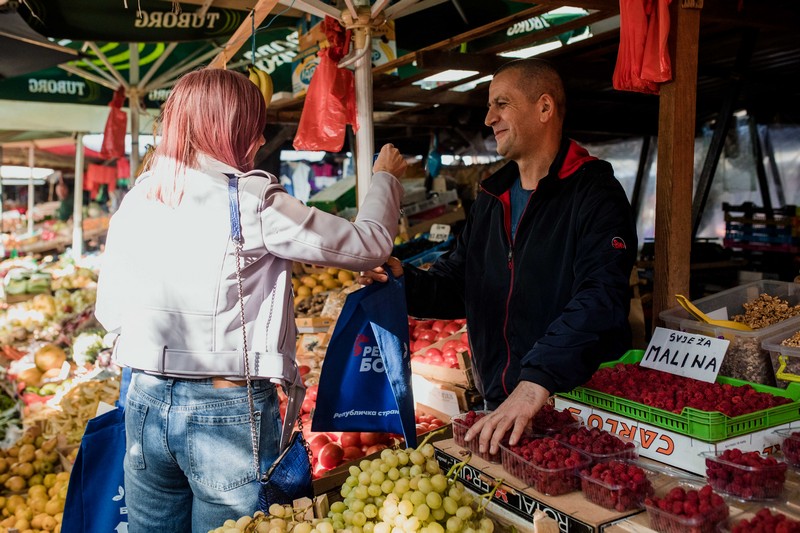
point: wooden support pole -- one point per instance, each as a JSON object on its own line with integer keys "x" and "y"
{"x": 675, "y": 170}
{"x": 241, "y": 35}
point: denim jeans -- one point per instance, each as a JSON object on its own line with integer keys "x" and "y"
{"x": 189, "y": 454}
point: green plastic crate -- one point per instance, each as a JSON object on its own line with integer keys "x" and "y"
{"x": 702, "y": 425}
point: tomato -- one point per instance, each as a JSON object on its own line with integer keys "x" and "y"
{"x": 450, "y": 345}
{"x": 331, "y": 455}
{"x": 351, "y": 453}
{"x": 438, "y": 325}
{"x": 426, "y": 335}
{"x": 317, "y": 442}
{"x": 419, "y": 345}
{"x": 442, "y": 335}
{"x": 431, "y": 352}
{"x": 435, "y": 360}
{"x": 308, "y": 405}
{"x": 375, "y": 448}
{"x": 350, "y": 439}
{"x": 452, "y": 327}
{"x": 311, "y": 392}
{"x": 373, "y": 438}
{"x": 465, "y": 338}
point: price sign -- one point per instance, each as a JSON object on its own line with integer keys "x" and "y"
{"x": 685, "y": 354}
{"x": 439, "y": 233}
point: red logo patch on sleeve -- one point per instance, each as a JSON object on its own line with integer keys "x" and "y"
{"x": 618, "y": 244}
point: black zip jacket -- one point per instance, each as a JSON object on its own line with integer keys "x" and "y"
{"x": 550, "y": 304}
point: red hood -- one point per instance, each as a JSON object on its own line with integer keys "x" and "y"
{"x": 576, "y": 156}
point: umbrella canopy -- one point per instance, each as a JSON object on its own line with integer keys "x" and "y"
{"x": 22, "y": 50}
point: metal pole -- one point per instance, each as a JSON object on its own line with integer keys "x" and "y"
{"x": 77, "y": 204}
{"x": 133, "y": 104}
{"x": 365, "y": 143}
{"x": 30, "y": 189}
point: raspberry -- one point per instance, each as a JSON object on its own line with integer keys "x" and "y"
{"x": 551, "y": 467}
{"x": 764, "y": 520}
{"x": 677, "y": 392}
{"x": 689, "y": 511}
{"x": 461, "y": 424}
{"x": 748, "y": 475}
{"x": 612, "y": 485}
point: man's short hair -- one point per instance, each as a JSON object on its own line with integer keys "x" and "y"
{"x": 541, "y": 77}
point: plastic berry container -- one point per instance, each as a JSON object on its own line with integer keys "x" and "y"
{"x": 623, "y": 493}
{"x": 763, "y": 481}
{"x": 771, "y": 518}
{"x": 460, "y": 428}
{"x": 666, "y": 518}
{"x": 791, "y": 445}
{"x": 629, "y": 449}
{"x": 548, "y": 481}
{"x": 550, "y": 420}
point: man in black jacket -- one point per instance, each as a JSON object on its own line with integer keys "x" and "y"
{"x": 541, "y": 268}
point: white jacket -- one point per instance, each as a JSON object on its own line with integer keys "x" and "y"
{"x": 168, "y": 278}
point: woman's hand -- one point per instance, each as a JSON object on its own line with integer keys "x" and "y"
{"x": 379, "y": 273}
{"x": 390, "y": 160}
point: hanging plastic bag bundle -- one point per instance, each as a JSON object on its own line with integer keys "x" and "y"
{"x": 365, "y": 383}
{"x": 331, "y": 98}
{"x": 116, "y": 127}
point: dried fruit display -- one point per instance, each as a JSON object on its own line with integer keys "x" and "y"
{"x": 546, "y": 464}
{"x": 746, "y": 475}
{"x": 616, "y": 485}
{"x": 461, "y": 425}
{"x": 551, "y": 420}
{"x": 790, "y": 446}
{"x": 634, "y": 382}
{"x": 687, "y": 511}
{"x": 598, "y": 444}
{"x": 766, "y": 521}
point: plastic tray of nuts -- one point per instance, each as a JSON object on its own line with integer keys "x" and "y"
{"x": 684, "y": 506}
{"x": 764, "y": 519}
{"x": 748, "y": 476}
{"x": 786, "y": 344}
{"x": 745, "y": 358}
{"x": 552, "y": 481}
{"x": 618, "y": 485}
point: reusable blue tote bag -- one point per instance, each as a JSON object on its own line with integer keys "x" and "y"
{"x": 365, "y": 384}
{"x": 95, "y": 500}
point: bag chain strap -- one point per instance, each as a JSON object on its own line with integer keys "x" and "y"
{"x": 236, "y": 237}
{"x": 250, "y": 403}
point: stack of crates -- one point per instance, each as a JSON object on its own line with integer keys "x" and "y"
{"x": 748, "y": 227}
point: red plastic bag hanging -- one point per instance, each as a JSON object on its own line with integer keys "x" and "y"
{"x": 656, "y": 65}
{"x": 643, "y": 60}
{"x": 116, "y": 126}
{"x": 331, "y": 98}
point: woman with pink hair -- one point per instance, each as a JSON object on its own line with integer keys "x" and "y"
{"x": 169, "y": 286}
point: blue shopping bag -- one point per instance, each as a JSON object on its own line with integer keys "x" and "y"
{"x": 365, "y": 384}
{"x": 96, "y": 495}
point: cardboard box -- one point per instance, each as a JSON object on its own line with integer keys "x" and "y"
{"x": 674, "y": 449}
{"x": 313, "y": 324}
{"x": 572, "y": 511}
{"x": 461, "y": 376}
{"x": 444, "y": 397}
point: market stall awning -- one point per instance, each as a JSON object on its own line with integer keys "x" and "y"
{"x": 22, "y": 50}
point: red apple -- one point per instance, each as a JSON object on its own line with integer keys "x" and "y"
{"x": 317, "y": 442}
{"x": 331, "y": 455}
{"x": 375, "y": 448}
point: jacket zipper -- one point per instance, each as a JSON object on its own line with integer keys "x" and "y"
{"x": 510, "y": 291}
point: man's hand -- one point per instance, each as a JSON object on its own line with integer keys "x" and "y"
{"x": 379, "y": 273}
{"x": 516, "y": 412}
